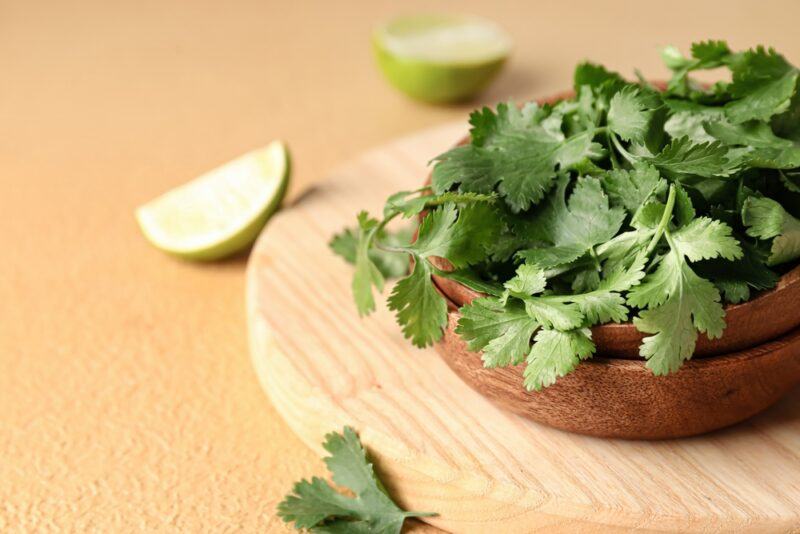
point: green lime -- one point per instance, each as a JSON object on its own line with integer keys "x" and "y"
{"x": 438, "y": 58}
{"x": 221, "y": 212}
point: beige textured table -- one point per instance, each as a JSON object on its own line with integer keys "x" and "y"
{"x": 127, "y": 398}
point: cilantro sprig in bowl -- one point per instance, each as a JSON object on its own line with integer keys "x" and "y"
{"x": 623, "y": 220}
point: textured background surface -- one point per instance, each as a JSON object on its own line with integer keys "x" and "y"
{"x": 127, "y": 401}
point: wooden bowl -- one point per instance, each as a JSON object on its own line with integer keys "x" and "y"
{"x": 753, "y": 364}
{"x": 618, "y": 398}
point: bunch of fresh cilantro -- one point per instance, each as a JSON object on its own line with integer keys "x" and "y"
{"x": 624, "y": 202}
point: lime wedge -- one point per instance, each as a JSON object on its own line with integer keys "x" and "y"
{"x": 222, "y": 211}
{"x": 438, "y": 58}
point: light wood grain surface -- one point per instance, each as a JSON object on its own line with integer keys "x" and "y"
{"x": 445, "y": 447}
{"x": 127, "y": 398}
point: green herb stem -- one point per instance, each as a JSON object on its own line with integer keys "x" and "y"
{"x": 665, "y": 218}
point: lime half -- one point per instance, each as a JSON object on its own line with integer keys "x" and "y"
{"x": 221, "y": 212}
{"x": 438, "y": 58}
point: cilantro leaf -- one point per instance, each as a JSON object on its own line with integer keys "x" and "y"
{"x": 411, "y": 207}
{"x": 735, "y": 278}
{"x": 706, "y": 238}
{"x": 682, "y": 156}
{"x": 502, "y": 331}
{"x": 763, "y": 85}
{"x": 688, "y": 119}
{"x": 705, "y": 55}
{"x": 390, "y": 264}
{"x": 631, "y": 189}
{"x": 690, "y": 304}
{"x": 754, "y": 134}
{"x": 317, "y": 506}
{"x": 684, "y": 210}
{"x": 767, "y": 219}
{"x": 574, "y": 227}
{"x": 529, "y": 280}
{"x": 679, "y": 303}
{"x": 555, "y": 354}
{"x": 594, "y": 75}
{"x": 710, "y": 54}
{"x": 512, "y": 150}
{"x": 553, "y": 313}
{"x": 771, "y": 158}
{"x": 367, "y": 275}
{"x": 460, "y": 235}
{"x": 421, "y": 310}
{"x": 629, "y": 115}
{"x": 473, "y": 281}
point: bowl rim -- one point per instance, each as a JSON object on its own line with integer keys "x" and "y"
{"x": 787, "y": 280}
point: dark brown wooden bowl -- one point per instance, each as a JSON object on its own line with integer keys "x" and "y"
{"x": 614, "y": 395}
{"x": 617, "y": 398}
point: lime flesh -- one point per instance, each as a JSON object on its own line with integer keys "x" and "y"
{"x": 441, "y": 58}
{"x": 222, "y": 211}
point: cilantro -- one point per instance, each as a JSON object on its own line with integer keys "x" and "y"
{"x": 736, "y": 278}
{"x": 593, "y": 75}
{"x": 574, "y": 228}
{"x": 763, "y": 85}
{"x": 317, "y": 506}
{"x": 629, "y": 115}
{"x": 705, "y": 55}
{"x": 753, "y": 134}
{"x": 682, "y": 156}
{"x": 676, "y": 302}
{"x": 620, "y": 203}
{"x": 631, "y": 189}
{"x": 420, "y": 309}
{"x": 514, "y": 150}
{"x": 502, "y": 331}
{"x": 367, "y": 275}
{"x": 390, "y": 264}
{"x": 555, "y": 354}
{"x": 766, "y": 219}
{"x": 688, "y": 119}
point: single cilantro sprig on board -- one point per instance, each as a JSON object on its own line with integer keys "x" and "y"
{"x": 622, "y": 203}
{"x": 315, "y": 505}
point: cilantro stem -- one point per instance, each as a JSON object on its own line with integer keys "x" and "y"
{"x": 665, "y": 217}
{"x": 389, "y": 248}
{"x": 612, "y": 154}
{"x": 372, "y": 238}
{"x": 627, "y": 155}
{"x": 595, "y": 259}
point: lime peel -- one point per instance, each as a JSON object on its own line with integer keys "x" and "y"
{"x": 222, "y": 211}
{"x": 439, "y": 58}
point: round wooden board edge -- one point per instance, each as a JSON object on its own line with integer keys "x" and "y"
{"x": 465, "y": 503}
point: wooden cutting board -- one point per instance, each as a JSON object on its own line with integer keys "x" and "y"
{"x": 442, "y": 447}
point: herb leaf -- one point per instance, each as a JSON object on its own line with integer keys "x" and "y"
{"x": 317, "y": 506}
{"x": 576, "y": 226}
{"x": 390, "y": 264}
{"x": 628, "y": 115}
{"x": 555, "y": 354}
{"x": 421, "y": 310}
{"x": 513, "y": 150}
{"x": 502, "y": 331}
{"x": 682, "y": 156}
{"x": 767, "y": 219}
